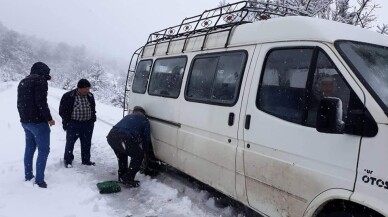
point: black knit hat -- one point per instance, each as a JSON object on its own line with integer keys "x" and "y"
{"x": 83, "y": 83}
{"x": 40, "y": 68}
{"x": 139, "y": 109}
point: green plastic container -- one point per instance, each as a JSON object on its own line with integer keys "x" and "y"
{"x": 108, "y": 187}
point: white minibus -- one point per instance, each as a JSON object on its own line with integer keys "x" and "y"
{"x": 287, "y": 115}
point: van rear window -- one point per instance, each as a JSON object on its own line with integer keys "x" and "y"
{"x": 142, "y": 73}
{"x": 216, "y": 78}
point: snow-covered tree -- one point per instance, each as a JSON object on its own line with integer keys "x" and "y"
{"x": 68, "y": 64}
{"x": 96, "y": 76}
{"x": 362, "y": 13}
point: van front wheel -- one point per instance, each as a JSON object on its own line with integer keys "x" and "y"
{"x": 343, "y": 208}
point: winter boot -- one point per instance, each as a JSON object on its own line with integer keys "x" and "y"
{"x": 132, "y": 184}
{"x": 68, "y": 165}
{"x": 89, "y": 163}
{"x": 29, "y": 179}
{"x": 42, "y": 184}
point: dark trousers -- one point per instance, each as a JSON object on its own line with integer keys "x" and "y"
{"x": 84, "y": 131}
{"x": 124, "y": 146}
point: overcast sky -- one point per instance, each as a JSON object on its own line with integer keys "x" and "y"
{"x": 114, "y": 28}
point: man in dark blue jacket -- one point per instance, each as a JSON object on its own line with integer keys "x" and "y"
{"x": 36, "y": 118}
{"x": 78, "y": 111}
{"x": 131, "y": 137}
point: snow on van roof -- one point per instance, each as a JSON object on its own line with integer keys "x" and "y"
{"x": 294, "y": 28}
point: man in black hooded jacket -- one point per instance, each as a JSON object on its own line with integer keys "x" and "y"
{"x": 35, "y": 118}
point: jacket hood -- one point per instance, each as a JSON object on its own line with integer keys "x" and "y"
{"x": 42, "y": 69}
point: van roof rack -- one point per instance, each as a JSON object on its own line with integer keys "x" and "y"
{"x": 212, "y": 21}
{"x": 224, "y": 17}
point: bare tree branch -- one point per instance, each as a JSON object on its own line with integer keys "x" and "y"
{"x": 383, "y": 29}
{"x": 365, "y": 13}
{"x": 362, "y": 14}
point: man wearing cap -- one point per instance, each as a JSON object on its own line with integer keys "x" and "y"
{"x": 78, "y": 112}
{"x": 131, "y": 137}
{"x": 35, "y": 118}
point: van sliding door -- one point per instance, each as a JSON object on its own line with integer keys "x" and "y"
{"x": 207, "y": 138}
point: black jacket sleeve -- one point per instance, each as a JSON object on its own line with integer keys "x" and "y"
{"x": 62, "y": 110}
{"x": 93, "y": 106}
{"x": 41, "y": 89}
{"x": 65, "y": 109}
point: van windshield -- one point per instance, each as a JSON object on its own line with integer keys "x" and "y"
{"x": 370, "y": 63}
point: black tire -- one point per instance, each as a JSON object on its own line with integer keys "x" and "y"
{"x": 342, "y": 208}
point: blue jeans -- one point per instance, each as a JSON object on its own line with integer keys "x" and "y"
{"x": 84, "y": 131}
{"x": 37, "y": 135}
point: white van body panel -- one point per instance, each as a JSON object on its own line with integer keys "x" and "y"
{"x": 288, "y": 165}
{"x": 374, "y": 108}
{"x": 204, "y": 139}
{"x": 166, "y": 135}
{"x": 289, "y": 169}
{"x": 240, "y": 170}
{"x": 372, "y": 179}
{"x": 206, "y": 144}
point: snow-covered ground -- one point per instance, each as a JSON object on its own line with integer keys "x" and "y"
{"x": 73, "y": 192}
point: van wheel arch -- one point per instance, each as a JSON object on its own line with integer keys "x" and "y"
{"x": 345, "y": 208}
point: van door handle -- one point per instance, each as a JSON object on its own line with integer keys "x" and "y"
{"x": 247, "y": 121}
{"x": 231, "y": 119}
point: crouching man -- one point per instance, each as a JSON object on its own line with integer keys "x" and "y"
{"x": 131, "y": 137}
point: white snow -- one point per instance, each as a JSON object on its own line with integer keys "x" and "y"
{"x": 72, "y": 192}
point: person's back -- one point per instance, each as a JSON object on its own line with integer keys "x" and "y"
{"x": 136, "y": 126}
{"x": 35, "y": 119}
{"x": 31, "y": 101}
{"x": 134, "y": 132}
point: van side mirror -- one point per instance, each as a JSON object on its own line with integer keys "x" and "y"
{"x": 329, "y": 116}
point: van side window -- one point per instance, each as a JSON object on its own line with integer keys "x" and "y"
{"x": 283, "y": 84}
{"x": 327, "y": 82}
{"x": 166, "y": 77}
{"x": 140, "y": 80}
{"x": 216, "y": 78}
{"x": 295, "y": 80}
